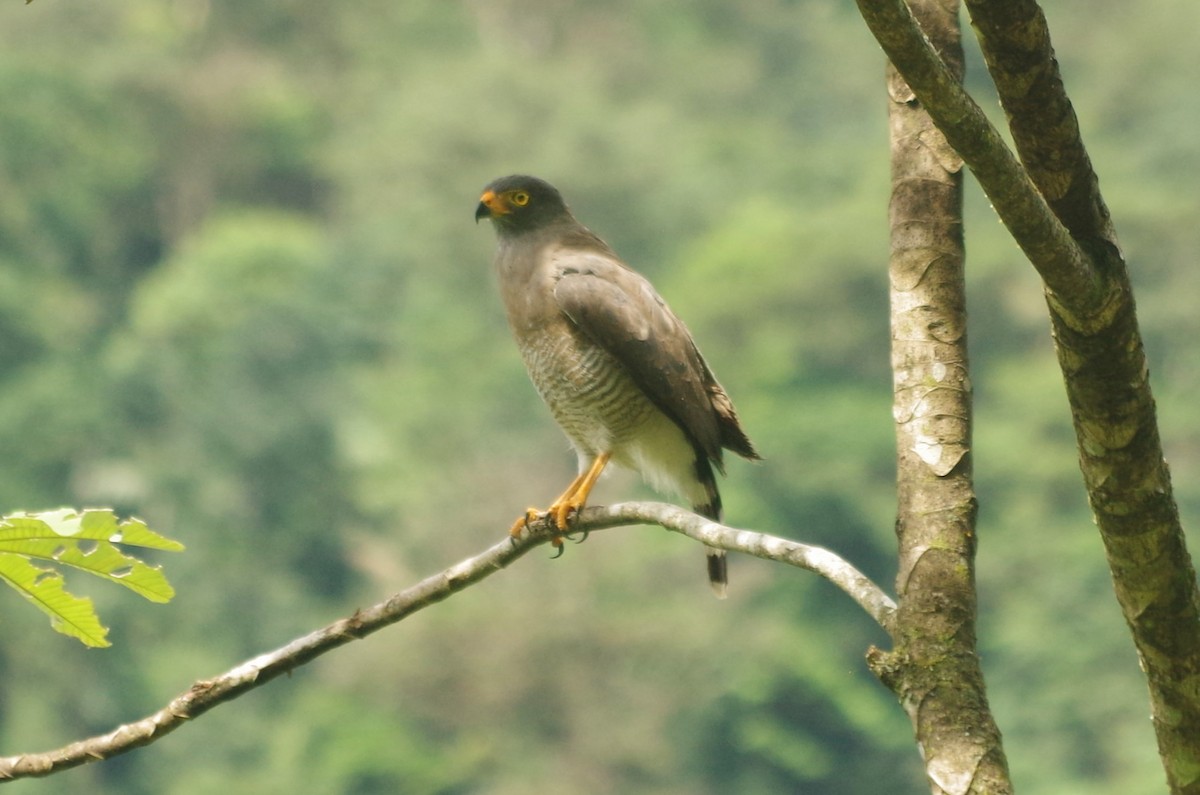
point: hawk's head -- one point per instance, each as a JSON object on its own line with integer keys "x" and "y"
{"x": 518, "y": 203}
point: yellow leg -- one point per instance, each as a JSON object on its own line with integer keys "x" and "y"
{"x": 571, "y": 500}
{"x": 533, "y": 513}
{"x": 575, "y": 497}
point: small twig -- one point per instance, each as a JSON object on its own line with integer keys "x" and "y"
{"x": 208, "y": 693}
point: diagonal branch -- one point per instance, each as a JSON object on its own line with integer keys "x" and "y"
{"x": 1015, "y": 41}
{"x": 1096, "y": 334}
{"x": 1103, "y": 361}
{"x": 208, "y": 693}
{"x": 1062, "y": 264}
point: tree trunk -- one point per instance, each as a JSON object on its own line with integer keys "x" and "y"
{"x": 934, "y": 668}
{"x": 1051, "y": 203}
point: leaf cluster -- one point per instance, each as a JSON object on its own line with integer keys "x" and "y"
{"x": 90, "y": 541}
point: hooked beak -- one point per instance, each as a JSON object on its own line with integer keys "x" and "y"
{"x": 490, "y": 206}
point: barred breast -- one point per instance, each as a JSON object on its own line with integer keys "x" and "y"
{"x": 590, "y": 394}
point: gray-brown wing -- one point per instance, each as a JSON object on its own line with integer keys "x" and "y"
{"x": 619, "y": 310}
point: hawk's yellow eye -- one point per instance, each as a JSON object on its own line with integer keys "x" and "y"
{"x": 520, "y": 198}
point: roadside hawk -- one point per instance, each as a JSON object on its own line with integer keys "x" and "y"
{"x": 618, "y": 370}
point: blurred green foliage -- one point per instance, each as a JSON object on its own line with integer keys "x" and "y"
{"x": 241, "y": 297}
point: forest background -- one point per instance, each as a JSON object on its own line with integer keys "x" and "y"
{"x": 242, "y": 297}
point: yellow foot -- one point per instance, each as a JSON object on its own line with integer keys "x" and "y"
{"x": 569, "y": 503}
{"x": 564, "y": 510}
{"x": 561, "y": 512}
{"x": 522, "y": 523}
{"x": 533, "y": 515}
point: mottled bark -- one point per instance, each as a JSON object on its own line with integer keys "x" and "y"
{"x": 1100, "y": 350}
{"x": 1129, "y": 489}
{"x": 1016, "y": 46}
{"x": 1061, "y": 262}
{"x": 1051, "y": 203}
{"x": 933, "y": 667}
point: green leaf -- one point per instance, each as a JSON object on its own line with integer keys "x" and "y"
{"x": 69, "y": 614}
{"x": 94, "y": 523}
{"x": 87, "y": 540}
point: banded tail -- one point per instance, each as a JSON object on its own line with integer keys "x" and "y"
{"x": 718, "y": 569}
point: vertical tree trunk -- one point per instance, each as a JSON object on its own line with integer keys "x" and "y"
{"x": 934, "y": 668}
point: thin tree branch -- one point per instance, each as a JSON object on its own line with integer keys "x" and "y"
{"x": 869, "y": 596}
{"x": 209, "y": 693}
{"x": 1062, "y": 264}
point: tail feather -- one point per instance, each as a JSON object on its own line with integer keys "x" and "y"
{"x": 718, "y": 574}
{"x": 718, "y": 570}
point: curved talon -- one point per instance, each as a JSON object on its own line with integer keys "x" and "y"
{"x": 558, "y": 545}
{"x": 583, "y": 536}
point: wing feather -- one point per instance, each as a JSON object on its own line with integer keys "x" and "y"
{"x": 619, "y": 310}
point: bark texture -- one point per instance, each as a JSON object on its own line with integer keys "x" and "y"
{"x": 934, "y": 668}
{"x": 1112, "y": 407}
{"x": 1050, "y": 202}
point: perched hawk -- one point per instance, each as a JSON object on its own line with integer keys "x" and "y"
{"x": 618, "y": 370}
